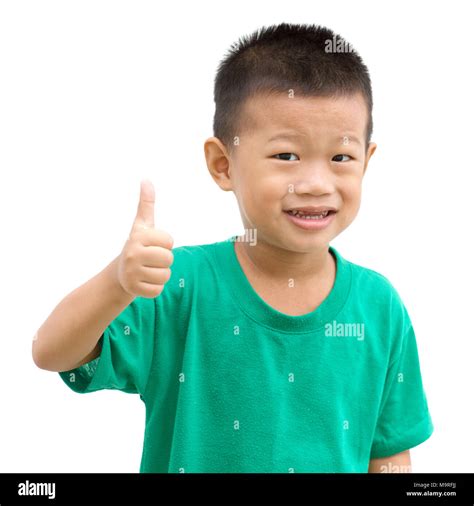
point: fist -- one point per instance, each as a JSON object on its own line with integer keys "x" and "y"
{"x": 144, "y": 263}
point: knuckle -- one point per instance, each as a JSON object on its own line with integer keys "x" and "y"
{"x": 169, "y": 240}
{"x": 164, "y": 239}
{"x": 166, "y": 274}
{"x": 168, "y": 257}
{"x": 129, "y": 254}
{"x": 154, "y": 290}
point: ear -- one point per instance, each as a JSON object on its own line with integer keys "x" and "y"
{"x": 218, "y": 162}
{"x": 370, "y": 151}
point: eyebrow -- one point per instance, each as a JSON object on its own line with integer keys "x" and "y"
{"x": 284, "y": 135}
{"x": 290, "y": 135}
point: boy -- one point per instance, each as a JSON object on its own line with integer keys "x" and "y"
{"x": 273, "y": 354}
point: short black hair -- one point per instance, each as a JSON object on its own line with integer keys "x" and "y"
{"x": 278, "y": 58}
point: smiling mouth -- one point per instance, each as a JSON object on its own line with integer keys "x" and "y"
{"x": 307, "y": 215}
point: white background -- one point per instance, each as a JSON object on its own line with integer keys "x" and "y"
{"x": 96, "y": 95}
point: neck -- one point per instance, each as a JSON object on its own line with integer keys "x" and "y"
{"x": 280, "y": 264}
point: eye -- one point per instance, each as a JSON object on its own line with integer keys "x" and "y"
{"x": 350, "y": 158}
{"x": 285, "y": 155}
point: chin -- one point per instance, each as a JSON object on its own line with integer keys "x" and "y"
{"x": 306, "y": 245}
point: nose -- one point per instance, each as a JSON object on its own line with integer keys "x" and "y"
{"x": 314, "y": 178}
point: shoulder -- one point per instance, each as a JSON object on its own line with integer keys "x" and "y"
{"x": 193, "y": 257}
{"x": 379, "y": 297}
{"x": 373, "y": 283}
{"x": 364, "y": 275}
{"x": 193, "y": 268}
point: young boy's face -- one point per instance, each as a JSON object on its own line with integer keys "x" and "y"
{"x": 319, "y": 161}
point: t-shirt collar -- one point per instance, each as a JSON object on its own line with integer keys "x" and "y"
{"x": 257, "y": 309}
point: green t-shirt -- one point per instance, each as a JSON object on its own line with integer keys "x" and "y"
{"x": 232, "y": 385}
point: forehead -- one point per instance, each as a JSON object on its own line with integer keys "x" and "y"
{"x": 306, "y": 115}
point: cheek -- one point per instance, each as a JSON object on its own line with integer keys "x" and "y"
{"x": 261, "y": 194}
{"x": 351, "y": 199}
{"x": 350, "y": 189}
{"x": 354, "y": 196}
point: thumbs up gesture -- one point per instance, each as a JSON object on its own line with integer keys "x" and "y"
{"x": 143, "y": 265}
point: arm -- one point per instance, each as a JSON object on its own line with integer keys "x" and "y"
{"x": 398, "y": 463}
{"x": 69, "y": 337}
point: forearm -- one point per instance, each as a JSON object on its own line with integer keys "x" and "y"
{"x": 73, "y": 329}
{"x": 398, "y": 463}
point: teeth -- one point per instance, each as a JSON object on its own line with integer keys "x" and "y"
{"x": 309, "y": 216}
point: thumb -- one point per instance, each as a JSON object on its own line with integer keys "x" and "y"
{"x": 146, "y": 206}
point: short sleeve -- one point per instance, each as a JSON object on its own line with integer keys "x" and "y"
{"x": 126, "y": 355}
{"x": 404, "y": 420}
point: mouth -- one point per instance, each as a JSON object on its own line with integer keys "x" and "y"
{"x": 311, "y": 213}
{"x": 311, "y": 218}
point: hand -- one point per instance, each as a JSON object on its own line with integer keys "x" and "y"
{"x": 143, "y": 265}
